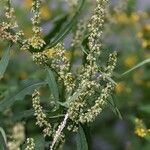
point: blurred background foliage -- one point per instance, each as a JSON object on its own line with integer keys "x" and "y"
{"x": 127, "y": 30}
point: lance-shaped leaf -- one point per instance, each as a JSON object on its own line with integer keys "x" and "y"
{"x": 137, "y": 66}
{"x": 81, "y": 140}
{"x": 4, "y": 62}
{"x": 25, "y": 114}
{"x": 24, "y": 90}
{"x": 112, "y": 104}
{"x": 53, "y": 85}
{"x": 3, "y": 139}
{"x": 145, "y": 108}
{"x": 63, "y": 32}
{"x": 59, "y": 37}
{"x": 58, "y": 24}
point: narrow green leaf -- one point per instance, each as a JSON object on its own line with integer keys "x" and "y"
{"x": 72, "y": 98}
{"x": 145, "y": 108}
{"x": 4, "y": 62}
{"x": 20, "y": 94}
{"x": 137, "y": 66}
{"x": 114, "y": 107}
{"x": 111, "y": 80}
{"x": 30, "y": 113}
{"x": 107, "y": 77}
{"x": 118, "y": 113}
{"x": 23, "y": 115}
{"x": 53, "y": 85}
{"x": 59, "y": 37}
{"x": 3, "y": 139}
{"x": 3, "y": 134}
{"x": 83, "y": 49}
{"x": 81, "y": 140}
{"x": 58, "y": 23}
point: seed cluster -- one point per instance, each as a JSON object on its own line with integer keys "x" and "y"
{"x": 40, "y": 59}
{"x": 61, "y": 64}
{"x": 86, "y": 93}
{"x": 96, "y": 29}
{"x": 111, "y": 64}
{"x": 30, "y": 144}
{"x": 6, "y": 27}
{"x": 79, "y": 34}
{"x": 40, "y": 115}
{"x": 95, "y": 110}
{"x": 91, "y": 76}
{"x": 36, "y": 41}
{"x": 89, "y": 80}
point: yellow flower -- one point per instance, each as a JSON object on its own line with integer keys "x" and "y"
{"x": 45, "y": 12}
{"x": 134, "y": 17}
{"x": 36, "y": 42}
{"x": 121, "y": 18}
{"x": 147, "y": 27}
{"x": 144, "y": 35}
{"x": 49, "y": 52}
{"x": 140, "y": 128}
{"x": 141, "y": 132}
{"x": 28, "y": 4}
{"x": 130, "y": 61}
{"x": 137, "y": 76}
{"x": 120, "y": 88}
{"x": 68, "y": 54}
{"x": 140, "y": 34}
{"x": 145, "y": 44}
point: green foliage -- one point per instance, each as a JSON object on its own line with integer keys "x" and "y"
{"x": 3, "y": 139}
{"x": 67, "y": 28}
{"x": 125, "y": 30}
{"x": 81, "y": 140}
{"x": 137, "y": 66}
{"x": 53, "y": 85}
{"x": 26, "y": 89}
{"x": 4, "y": 62}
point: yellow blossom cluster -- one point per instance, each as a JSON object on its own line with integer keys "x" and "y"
{"x": 144, "y": 36}
{"x": 124, "y": 19}
{"x": 120, "y": 87}
{"x": 130, "y": 60}
{"x": 140, "y": 129}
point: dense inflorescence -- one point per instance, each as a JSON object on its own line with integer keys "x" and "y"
{"x": 95, "y": 28}
{"x": 30, "y": 144}
{"x": 7, "y": 27}
{"x": 61, "y": 64}
{"x": 17, "y": 136}
{"x": 78, "y": 88}
{"x": 91, "y": 75}
{"x": 140, "y": 128}
{"x": 36, "y": 41}
{"x": 40, "y": 115}
{"x": 88, "y": 83}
